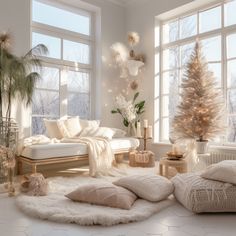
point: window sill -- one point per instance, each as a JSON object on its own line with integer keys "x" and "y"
{"x": 211, "y": 146}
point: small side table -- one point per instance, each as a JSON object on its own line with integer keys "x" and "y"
{"x": 165, "y": 164}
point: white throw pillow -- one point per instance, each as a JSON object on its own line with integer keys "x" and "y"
{"x": 52, "y": 129}
{"x": 89, "y": 123}
{"x": 70, "y": 127}
{"x": 103, "y": 132}
{"x": 152, "y": 188}
{"x": 224, "y": 171}
{"x": 119, "y": 133}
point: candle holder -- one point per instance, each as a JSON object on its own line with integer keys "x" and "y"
{"x": 145, "y": 138}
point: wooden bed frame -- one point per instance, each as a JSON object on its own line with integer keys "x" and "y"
{"x": 55, "y": 160}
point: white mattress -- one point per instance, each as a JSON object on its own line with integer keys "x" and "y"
{"x": 44, "y": 151}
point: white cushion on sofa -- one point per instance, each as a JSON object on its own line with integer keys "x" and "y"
{"x": 89, "y": 123}
{"x": 103, "y": 132}
{"x": 119, "y": 133}
{"x": 70, "y": 127}
{"x": 224, "y": 171}
{"x": 149, "y": 187}
{"x": 52, "y": 129}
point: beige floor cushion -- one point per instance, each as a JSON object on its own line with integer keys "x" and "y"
{"x": 202, "y": 195}
{"x": 105, "y": 194}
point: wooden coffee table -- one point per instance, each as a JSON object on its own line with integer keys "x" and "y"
{"x": 165, "y": 166}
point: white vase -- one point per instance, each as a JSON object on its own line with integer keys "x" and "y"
{"x": 202, "y": 147}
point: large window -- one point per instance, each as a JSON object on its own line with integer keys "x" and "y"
{"x": 215, "y": 28}
{"x": 66, "y": 84}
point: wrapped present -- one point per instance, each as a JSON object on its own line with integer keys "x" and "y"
{"x": 141, "y": 159}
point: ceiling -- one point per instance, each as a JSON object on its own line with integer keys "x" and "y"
{"x": 125, "y": 3}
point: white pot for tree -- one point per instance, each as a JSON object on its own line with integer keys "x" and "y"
{"x": 201, "y": 146}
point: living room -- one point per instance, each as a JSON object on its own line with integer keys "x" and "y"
{"x": 117, "y": 117}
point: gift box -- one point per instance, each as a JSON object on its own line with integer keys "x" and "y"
{"x": 141, "y": 159}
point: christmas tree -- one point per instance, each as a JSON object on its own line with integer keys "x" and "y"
{"x": 200, "y": 114}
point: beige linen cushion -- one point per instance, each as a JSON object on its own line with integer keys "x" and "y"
{"x": 70, "y": 127}
{"x": 89, "y": 123}
{"x": 202, "y": 195}
{"x": 103, "y": 132}
{"x": 52, "y": 129}
{"x": 224, "y": 171}
{"x": 149, "y": 187}
{"x": 105, "y": 194}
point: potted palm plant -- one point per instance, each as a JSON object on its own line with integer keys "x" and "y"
{"x": 17, "y": 82}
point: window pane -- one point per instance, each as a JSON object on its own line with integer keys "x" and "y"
{"x": 53, "y": 44}
{"x": 232, "y": 129}
{"x": 212, "y": 48}
{"x": 230, "y": 16}
{"x": 232, "y": 101}
{"x": 231, "y": 73}
{"x": 170, "y": 32}
{"x": 78, "y": 82}
{"x": 49, "y": 15}
{"x": 216, "y": 69}
{"x": 76, "y": 52}
{"x": 186, "y": 51}
{"x": 188, "y": 26}
{"x": 165, "y": 129}
{"x": 210, "y": 19}
{"x": 170, "y": 58}
{"x": 78, "y": 105}
{"x": 45, "y": 103}
{"x": 38, "y": 126}
{"x": 49, "y": 78}
{"x": 231, "y": 46}
{"x": 170, "y": 82}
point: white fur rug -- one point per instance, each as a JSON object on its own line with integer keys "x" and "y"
{"x": 56, "y": 207}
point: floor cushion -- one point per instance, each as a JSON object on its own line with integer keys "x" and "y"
{"x": 203, "y": 195}
{"x": 152, "y": 188}
{"x": 224, "y": 171}
{"x": 105, "y": 194}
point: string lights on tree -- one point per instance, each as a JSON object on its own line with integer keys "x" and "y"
{"x": 200, "y": 114}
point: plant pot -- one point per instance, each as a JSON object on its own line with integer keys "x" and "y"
{"x": 202, "y": 146}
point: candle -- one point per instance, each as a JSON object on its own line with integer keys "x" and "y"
{"x": 145, "y": 123}
{"x": 149, "y": 131}
{"x": 138, "y": 133}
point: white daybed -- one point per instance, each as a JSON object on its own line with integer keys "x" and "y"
{"x": 53, "y": 153}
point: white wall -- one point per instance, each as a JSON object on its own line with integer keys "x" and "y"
{"x": 113, "y": 30}
{"x": 15, "y": 19}
{"x": 140, "y": 17}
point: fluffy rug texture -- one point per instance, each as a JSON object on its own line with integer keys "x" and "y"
{"x": 56, "y": 207}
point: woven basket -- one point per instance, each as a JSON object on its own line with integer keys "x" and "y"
{"x": 141, "y": 159}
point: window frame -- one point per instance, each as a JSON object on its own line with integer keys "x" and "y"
{"x": 160, "y": 46}
{"x": 93, "y": 68}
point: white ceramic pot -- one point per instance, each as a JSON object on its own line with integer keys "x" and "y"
{"x": 202, "y": 146}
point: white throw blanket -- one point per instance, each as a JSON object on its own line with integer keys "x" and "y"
{"x": 100, "y": 154}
